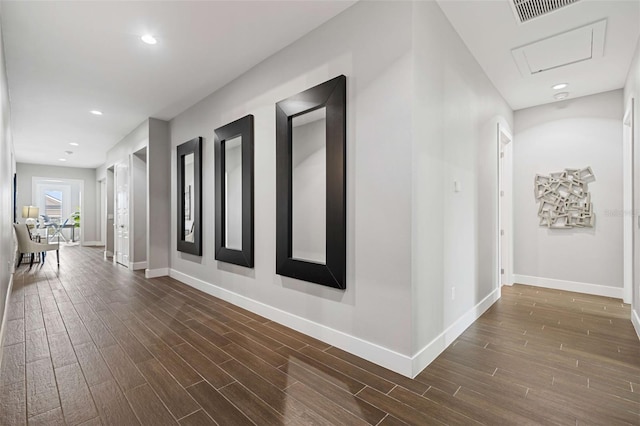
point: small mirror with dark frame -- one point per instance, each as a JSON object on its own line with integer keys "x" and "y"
{"x": 234, "y": 192}
{"x": 190, "y": 197}
{"x": 311, "y": 185}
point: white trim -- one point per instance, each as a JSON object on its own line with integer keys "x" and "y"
{"x": 434, "y": 348}
{"x": 504, "y": 206}
{"x": 635, "y": 320}
{"x": 136, "y": 266}
{"x": 92, "y": 244}
{"x": 107, "y": 254}
{"x": 627, "y": 200}
{"x": 370, "y": 351}
{"x": 155, "y": 273}
{"x": 401, "y": 364}
{"x": 4, "y": 317}
{"x": 595, "y": 289}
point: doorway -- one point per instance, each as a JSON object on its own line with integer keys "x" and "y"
{"x": 139, "y": 197}
{"x": 110, "y": 229}
{"x": 121, "y": 225}
{"x": 61, "y": 206}
{"x": 505, "y": 206}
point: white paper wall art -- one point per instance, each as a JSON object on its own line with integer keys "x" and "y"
{"x": 564, "y": 199}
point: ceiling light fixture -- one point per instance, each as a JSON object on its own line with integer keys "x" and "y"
{"x": 62, "y": 159}
{"x": 95, "y": 112}
{"x": 149, "y": 39}
{"x": 559, "y": 86}
{"x": 73, "y": 144}
{"x": 561, "y": 95}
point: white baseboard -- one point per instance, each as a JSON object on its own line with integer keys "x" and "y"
{"x": 434, "y": 348}
{"x": 402, "y": 364}
{"x": 136, "y": 266}
{"x": 597, "y": 290}
{"x": 367, "y": 350}
{"x": 92, "y": 244}
{"x": 3, "y": 325}
{"x": 635, "y": 319}
{"x": 155, "y": 273}
{"x": 107, "y": 254}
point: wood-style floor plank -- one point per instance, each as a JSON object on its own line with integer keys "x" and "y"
{"x": 42, "y": 391}
{"x": 75, "y": 399}
{"x": 217, "y": 406}
{"x": 92, "y": 343}
{"x": 148, "y": 407}
{"x": 13, "y": 404}
{"x": 112, "y": 405}
{"x": 199, "y": 418}
{"x": 173, "y": 395}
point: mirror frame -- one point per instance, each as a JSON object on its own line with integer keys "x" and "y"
{"x": 194, "y": 146}
{"x": 244, "y": 128}
{"x": 332, "y": 95}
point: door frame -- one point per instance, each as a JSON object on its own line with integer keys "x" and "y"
{"x": 630, "y": 229}
{"x": 116, "y": 167}
{"x": 504, "y": 149}
{"x": 35, "y": 180}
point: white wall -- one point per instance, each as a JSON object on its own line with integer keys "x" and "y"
{"x": 375, "y": 307}
{"x": 574, "y": 133}
{"x": 420, "y": 113}
{"x": 136, "y": 139}
{"x": 7, "y": 169}
{"x": 159, "y": 189}
{"x": 456, "y": 111}
{"x": 90, "y": 216}
{"x": 154, "y": 135}
{"x": 632, "y": 91}
{"x": 138, "y": 215}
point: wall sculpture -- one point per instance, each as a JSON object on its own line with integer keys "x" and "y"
{"x": 564, "y": 199}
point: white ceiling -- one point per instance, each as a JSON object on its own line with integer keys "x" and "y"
{"x": 490, "y": 31}
{"x": 67, "y": 58}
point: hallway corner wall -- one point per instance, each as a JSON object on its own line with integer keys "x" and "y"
{"x": 574, "y": 133}
{"x": 7, "y": 170}
{"x": 456, "y": 112}
{"x": 632, "y": 90}
{"x": 372, "y": 317}
{"x": 159, "y": 194}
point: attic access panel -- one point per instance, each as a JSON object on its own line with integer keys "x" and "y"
{"x": 571, "y": 47}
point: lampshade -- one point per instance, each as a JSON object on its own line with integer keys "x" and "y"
{"x": 30, "y": 212}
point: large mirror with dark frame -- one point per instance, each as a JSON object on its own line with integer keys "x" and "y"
{"x": 190, "y": 197}
{"x": 311, "y": 185}
{"x": 234, "y": 192}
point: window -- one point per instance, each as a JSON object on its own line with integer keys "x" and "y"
{"x": 53, "y": 205}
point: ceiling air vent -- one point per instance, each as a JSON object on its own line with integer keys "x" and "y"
{"x": 526, "y": 10}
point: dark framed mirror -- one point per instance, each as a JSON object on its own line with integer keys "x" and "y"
{"x": 190, "y": 197}
{"x": 311, "y": 185}
{"x": 234, "y": 192}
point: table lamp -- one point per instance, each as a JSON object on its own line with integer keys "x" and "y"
{"x": 31, "y": 213}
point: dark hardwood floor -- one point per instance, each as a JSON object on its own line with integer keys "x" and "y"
{"x": 92, "y": 343}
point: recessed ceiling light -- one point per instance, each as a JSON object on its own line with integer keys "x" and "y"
{"x": 73, "y": 144}
{"x": 96, "y": 112}
{"x": 559, "y": 86}
{"x": 149, "y": 39}
{"x": 62, "y": 159}
{"x": 561, "y": 95}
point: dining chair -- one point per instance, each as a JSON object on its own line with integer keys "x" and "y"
{"x": 27, "y": 246}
